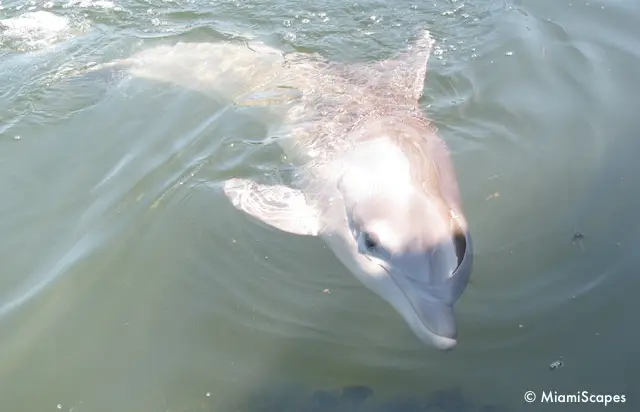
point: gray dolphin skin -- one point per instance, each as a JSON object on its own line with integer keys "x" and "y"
{"x": 372, "y": 177}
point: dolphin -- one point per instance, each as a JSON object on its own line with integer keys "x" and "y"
{"x": 372, "y": 177}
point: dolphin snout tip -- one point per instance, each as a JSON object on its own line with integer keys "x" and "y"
{"x": 444, "y": 343}
{"x": 439, "y": 322}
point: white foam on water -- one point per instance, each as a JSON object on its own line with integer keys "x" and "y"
{"x": 34, "y": 29}
{"x": 98, "y": 4}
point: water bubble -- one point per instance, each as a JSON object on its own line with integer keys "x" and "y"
{"x": 509, "y": 53}
{"x": 556, "y": 364}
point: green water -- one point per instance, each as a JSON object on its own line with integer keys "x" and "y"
{"x": 128, "y": 282}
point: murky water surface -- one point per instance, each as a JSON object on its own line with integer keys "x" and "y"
{"x": 129, "y": 283}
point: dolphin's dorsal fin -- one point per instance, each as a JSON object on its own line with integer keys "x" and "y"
{"x": 406, "y": 73}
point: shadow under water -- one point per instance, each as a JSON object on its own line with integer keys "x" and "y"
{"x": 356, "y": 398}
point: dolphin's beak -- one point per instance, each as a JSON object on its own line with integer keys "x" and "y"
{"x": 439, "y": 319}
{"x": 428, "y": 305}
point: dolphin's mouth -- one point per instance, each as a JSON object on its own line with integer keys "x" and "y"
{"x": 443, "y": 343}
{"x": 439, "y": 319}
{"x": 437, "y": 316}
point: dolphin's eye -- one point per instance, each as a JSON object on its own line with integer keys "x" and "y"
{"x": 369, "y": 242}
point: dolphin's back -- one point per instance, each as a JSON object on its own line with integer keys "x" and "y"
{"x": 228, "y": 69}
{"x": 332, "y": 107}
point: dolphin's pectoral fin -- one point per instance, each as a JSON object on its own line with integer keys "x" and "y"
{"x": 276, "y": 205}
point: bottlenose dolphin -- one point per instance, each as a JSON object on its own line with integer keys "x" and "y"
{"x": 373, "y": 179}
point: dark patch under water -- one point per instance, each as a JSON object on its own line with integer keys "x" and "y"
{"x": 359, "y": 398}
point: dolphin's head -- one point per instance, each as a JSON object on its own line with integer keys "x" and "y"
{"x": 407, "y": 244}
